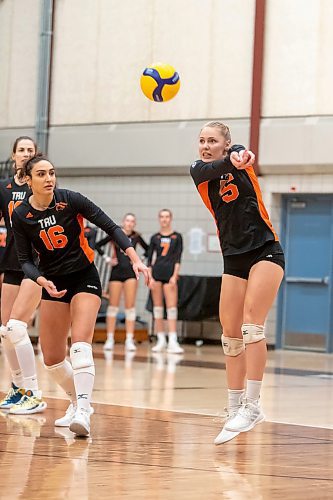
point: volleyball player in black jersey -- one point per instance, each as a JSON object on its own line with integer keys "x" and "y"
{"x": 167, "y": 247}
{"x": 51, "y": 220}
{"x": 19, "y": 297}
{"x": 122, "y": 279}
{"x": 253, "y": 269}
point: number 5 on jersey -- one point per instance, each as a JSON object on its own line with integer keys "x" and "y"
{"x": 52, "y": 237}
{"x": 228, "y": 191}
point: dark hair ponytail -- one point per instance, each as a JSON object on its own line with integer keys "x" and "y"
{"x": 27, "y": 168}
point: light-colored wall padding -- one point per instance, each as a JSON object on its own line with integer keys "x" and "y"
{"x": 298, "y": 58}
{"x": 19, "y": 39}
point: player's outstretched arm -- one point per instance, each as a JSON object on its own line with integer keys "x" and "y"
{"x": 95, "y": 214}
{"x": 202, "y": 171}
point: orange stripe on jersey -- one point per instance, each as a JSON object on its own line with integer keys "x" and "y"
{"x": 262, "y": 208}
{"x": 203, "y": 190}
{"x": 84, "y": 242}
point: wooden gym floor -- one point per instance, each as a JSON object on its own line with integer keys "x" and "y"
{"x": 153, "y": 429}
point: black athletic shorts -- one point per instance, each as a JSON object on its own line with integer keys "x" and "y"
{"x": 162, "y": 273}
{"x": 122, "y": 274}
{"x": 86, "y": 280}
{"x": 240, "y": 265}
{"x": 162, "y": 280}
{"x": 13, "y": 277}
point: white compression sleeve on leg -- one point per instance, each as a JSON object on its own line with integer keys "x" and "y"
{"x": 84, "y": 372}
{"x": 10, "y": 353}
{"x": 18, "y": 334}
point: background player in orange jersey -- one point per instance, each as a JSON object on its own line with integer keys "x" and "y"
{"x": 122, "y": 279}
{"x": 164, "y": 257}
{"x": 20, "y": 296}
{"x": 51, "y": 220}
{"x": 253, "y": 269}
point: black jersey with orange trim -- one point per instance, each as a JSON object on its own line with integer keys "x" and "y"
{"x": 57, "y": 234}
{"x": 11, "y": 196}
{"x": 234, "y": 199}
{"x": 168, "y": 250}
{"x": 124, "y": 262}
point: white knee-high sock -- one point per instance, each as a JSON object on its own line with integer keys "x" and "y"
{"x": 84, "y": 373}
{"x": 18, "y": 333}
{"x": 62, "y": 373}
{"x": 10, "y": 353}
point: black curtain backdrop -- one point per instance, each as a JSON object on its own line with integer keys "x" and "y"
{"x": 198, "y": 298}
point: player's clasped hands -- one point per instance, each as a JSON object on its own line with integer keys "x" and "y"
{"x": 242, "y": 160}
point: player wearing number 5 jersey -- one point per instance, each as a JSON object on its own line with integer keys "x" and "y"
{"x": 19, "y": 296}
{"x": 164, "y": 255}
{"x": 51, "y": 220}
{"x": 253, "y": 268}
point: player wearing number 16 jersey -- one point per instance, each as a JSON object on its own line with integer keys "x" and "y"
{"x": 52, "y": 221}
{"x": 253, "y": 268}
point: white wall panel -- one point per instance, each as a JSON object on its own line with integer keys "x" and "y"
{"x": 298, "y": 58}
{"x": 19, "y": 39}
{"x": 101, "y": 47}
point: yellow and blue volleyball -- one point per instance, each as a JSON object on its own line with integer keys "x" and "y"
{"x": 160, "y": 82}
